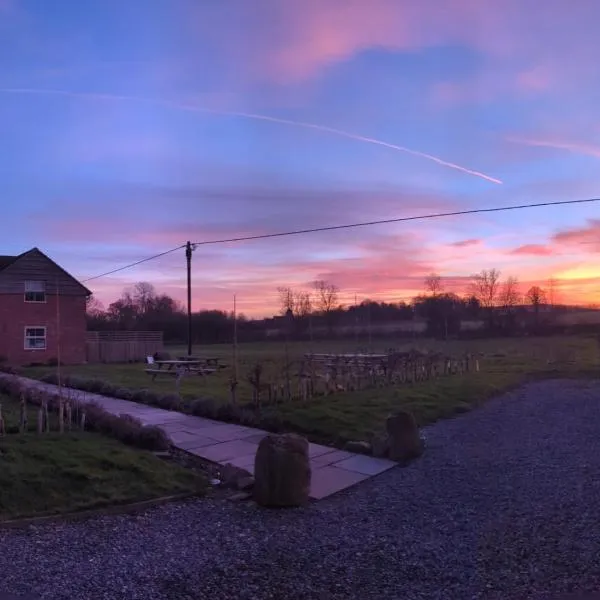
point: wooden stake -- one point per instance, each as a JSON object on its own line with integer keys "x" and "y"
{"x": 234, "y": 379}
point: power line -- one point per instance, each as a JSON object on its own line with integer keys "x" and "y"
{"x": 139, "y": 262}
{"x": 349, "y": 226}
{"x": 396, "y": 220}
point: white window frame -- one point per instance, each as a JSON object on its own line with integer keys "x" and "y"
{"x": 35, "y": 337}
{"x": 35, "y": 287}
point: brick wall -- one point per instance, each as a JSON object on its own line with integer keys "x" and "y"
{"x": 15, "y": 315}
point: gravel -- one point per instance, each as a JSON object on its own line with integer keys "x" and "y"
{"x": 505, "y": 504}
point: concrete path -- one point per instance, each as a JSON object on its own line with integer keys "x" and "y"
{"x": 332, "y": 470}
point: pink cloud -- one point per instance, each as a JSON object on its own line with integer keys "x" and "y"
{"x": 576, "y": 147}
{"x": 306, "y": 38}
{"x": 533, "y": 250}
{"x": 466, "y": 243}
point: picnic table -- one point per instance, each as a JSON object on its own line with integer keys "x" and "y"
{"x": 178, "y": 368}
{"x": 207, "y": 361}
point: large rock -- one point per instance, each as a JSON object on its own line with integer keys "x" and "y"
{"x": 404, "y": 441}
{"x": 282, "y": 471}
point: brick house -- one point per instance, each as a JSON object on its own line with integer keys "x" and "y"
{"x": 40, "y": 305}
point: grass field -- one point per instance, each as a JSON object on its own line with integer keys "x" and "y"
{"x": 53, "y": 473}
{"x": 504, "y": 363}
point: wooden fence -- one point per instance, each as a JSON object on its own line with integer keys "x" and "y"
{"x": 122, "y": 346}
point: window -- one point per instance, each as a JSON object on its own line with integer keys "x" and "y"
{"x": 35, "y": 338}
{"x": 35, "y": 291}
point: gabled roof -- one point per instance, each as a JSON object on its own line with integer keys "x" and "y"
{"x": 6, "y": 261}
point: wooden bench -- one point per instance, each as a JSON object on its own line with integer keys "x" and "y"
{"x": 155, "y": 372}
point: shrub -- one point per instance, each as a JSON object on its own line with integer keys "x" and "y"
{"x": 123, "y": 393}
{"x": 108, "y": 389}
{"x": 228, "y": 412}
{"x": 3, "y": 358}
{"x": 248, "y": 418}
{"x": 145, "y": 397}
{"x": 273, "y": 423}
{"x": 95, "y": 386}
{"x": 50, "y": 378}
{"x": 204, "y": 407}
{"x": 154, "y": 438}
{"x": 169, "y": 402}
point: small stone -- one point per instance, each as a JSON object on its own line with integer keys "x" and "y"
{"x": 245, "y": 483}
{"x": 282, "y": 471}
{"x": 358, "y": 447}
{"x": 215, "y": 482}
{"x": 162, "y": 454}
{"x": 240, "y": 496}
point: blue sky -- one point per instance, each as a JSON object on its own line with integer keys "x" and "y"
{"x": 131, "y": 128}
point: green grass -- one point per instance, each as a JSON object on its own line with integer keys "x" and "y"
{"x": 504, "y": 363}
{"x": 53, "y": 473}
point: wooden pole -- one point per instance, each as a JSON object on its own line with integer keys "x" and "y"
{"x": 61, "y": 422}
{"x": 235, "y": 339}
{"x": 188, "y": 257}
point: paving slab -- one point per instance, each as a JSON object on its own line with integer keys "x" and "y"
{"x": 329, "y": 480}
{"x": 225, "y": 451}
{"x": 332, "y": 470}
{"x": 366, "y": 465}
{"x": 329, "y": 458}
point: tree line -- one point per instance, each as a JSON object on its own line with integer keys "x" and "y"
{"x": 318, "y": 308}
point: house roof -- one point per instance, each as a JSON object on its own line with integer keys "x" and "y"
{"x": 6, "y": 261}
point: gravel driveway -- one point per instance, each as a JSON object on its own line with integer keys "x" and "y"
{"x": 504, "y": 504}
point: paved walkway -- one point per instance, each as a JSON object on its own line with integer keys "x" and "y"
{"x": 332, "y": 470}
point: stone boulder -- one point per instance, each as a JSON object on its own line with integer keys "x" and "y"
{"x": 404, "y": 442}
{"x": 282, "y": 471}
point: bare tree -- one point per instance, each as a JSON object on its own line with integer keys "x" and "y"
{"x": 509, "y": 294}
{"x": 287, "y": 300}
{"x": 433, "y": 284}
{"x": 144, "y": 294}
{"x": 303, "y": 304}
{"x": 327, "y": 296}
{"x": 485, "y": 288}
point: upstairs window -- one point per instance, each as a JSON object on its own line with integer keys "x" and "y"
{"x": 35, "y": 291}
{"x": 35, "y": 338}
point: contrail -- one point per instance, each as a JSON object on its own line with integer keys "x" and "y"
{"x": 257, "y": 117}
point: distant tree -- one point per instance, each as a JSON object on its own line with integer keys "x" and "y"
{"x": 433, "y": 284}
{"x": 485, "y": 287}
{"x": 536, "y": 297}
{"x": 144, "y": 294}
{"x": 287, "y": 300}
{"x": 509, "y": 295}
{"x": 442, "y": 312}
{"x": 327, "y": 300}
{"x": 93, "y": 306}
{"x": 327, "y": 296}
{"x": 302, "y": 304}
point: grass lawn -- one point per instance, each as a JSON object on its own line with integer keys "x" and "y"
{"x": 54, "y": 473}
{"x": 504, "y": 363}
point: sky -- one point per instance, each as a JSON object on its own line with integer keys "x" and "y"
{"x": 129, "y": 128}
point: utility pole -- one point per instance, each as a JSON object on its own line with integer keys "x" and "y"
{"x": 189, "y": 247}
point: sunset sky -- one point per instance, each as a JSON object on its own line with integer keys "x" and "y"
{"x": 128, "y": 128}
